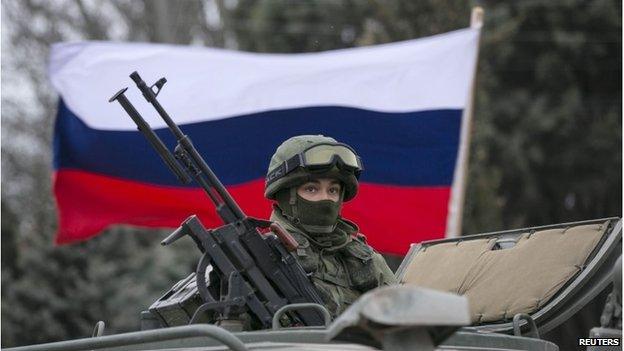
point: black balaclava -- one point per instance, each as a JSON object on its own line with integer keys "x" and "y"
{"x": 315, "y": 217}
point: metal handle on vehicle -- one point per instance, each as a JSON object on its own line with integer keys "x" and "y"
{"x": 516, "y": 325}
{"x": 142, "y": 337}
{"x": 98, "y": 330}
{"x": 300, "y": 306}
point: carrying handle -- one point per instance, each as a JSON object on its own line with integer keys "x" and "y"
{"x": 300, "y": 306}
{"x": 532, "y": 326}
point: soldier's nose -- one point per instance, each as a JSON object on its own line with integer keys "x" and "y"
{"x": 328, "y": 196}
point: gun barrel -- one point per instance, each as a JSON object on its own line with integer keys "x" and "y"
{"x": 150, "y": 96}
{"x": 214, "y": 182}
{"x": 233, "y": 211}
{"x": 152, "y": 138}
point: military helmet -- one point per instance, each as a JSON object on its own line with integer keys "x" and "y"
{"x": 306, "y": 157}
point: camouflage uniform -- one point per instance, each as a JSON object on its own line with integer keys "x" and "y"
{"x": 342, "y": 266}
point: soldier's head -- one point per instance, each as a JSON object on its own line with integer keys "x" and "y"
{"x": 310, "y": 176}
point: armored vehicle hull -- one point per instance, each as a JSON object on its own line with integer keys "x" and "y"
{"x": 479, "y": 302}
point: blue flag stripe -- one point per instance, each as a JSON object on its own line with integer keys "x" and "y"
{"x": 410, "y": 149}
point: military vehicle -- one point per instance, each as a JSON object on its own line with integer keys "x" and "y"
{"x": 492, "y": 291}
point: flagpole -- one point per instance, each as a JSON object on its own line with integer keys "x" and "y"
{"x": 458, "y": 190}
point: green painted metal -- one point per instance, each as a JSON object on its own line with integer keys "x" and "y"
{"x": 219, "y": 334}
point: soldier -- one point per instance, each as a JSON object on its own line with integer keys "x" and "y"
{"x": 309, "y": 177}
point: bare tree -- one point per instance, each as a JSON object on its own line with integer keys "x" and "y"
{"x": 113, "y": 276}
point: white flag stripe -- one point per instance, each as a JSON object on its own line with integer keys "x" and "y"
{"x": 207, "y": 84}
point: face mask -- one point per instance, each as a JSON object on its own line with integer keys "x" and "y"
{"x": 318, "y": 216}
{"x": 313, "y": 216}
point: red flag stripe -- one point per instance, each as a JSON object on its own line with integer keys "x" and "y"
{"x": 89, "y": 203}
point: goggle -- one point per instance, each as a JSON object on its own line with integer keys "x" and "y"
{"x": 320, "y": 157}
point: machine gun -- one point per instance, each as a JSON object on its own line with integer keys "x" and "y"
{"x": 257, "y": 274}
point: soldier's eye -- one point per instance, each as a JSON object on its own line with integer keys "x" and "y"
{"x": 310, "y": 189}
{"x": 334, "y": 190}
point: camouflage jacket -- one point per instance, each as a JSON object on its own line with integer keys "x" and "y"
{"x": 341, "y": 273}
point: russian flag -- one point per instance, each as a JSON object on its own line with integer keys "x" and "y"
{"x": 398, "y": 105}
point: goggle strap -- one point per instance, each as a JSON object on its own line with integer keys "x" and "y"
{"x": 293, "y": 163}
{"x": 297, "y": 161}
{"x": 285, "y": 168}
{"x": 293, "y": 202}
